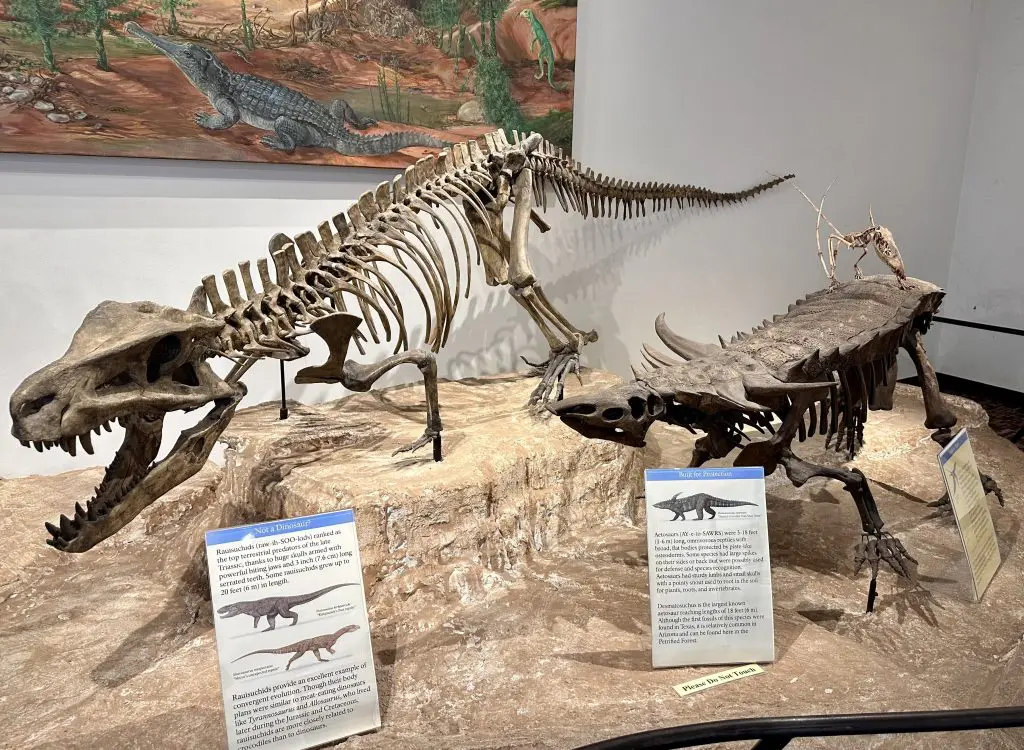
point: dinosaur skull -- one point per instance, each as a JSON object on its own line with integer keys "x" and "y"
{"x": 622, "y": 414}
{"x": 133, "y": 363}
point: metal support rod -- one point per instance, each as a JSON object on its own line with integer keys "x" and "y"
{"x": 284, "y": 403}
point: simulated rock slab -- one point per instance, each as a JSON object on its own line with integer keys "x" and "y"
{"x": 512, "y": 481}
{"x": 116, "y": 648}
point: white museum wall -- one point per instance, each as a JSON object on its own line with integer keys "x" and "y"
{"x": 671, "y": 91}
{"x": 986, "y": 276}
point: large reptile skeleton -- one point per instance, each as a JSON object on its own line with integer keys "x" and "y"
{"x": 819, "y": 367}
{"x": 136, "y": 362}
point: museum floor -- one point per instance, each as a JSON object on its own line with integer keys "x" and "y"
{"x": 507, "y": 585}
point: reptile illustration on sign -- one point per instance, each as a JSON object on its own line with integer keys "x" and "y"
{"x": 307, "y": 645}
{"x": 273, "y": 607}
{"x": 700, "y": 502}
{"x": 376, "y": 83}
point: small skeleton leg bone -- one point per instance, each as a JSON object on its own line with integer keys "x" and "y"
{"x": 819, "y": 208}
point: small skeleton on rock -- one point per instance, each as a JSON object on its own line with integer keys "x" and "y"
{"x": 885, "y": 245}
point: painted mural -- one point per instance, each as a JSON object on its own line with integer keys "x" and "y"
{"x": 345, "y": 82}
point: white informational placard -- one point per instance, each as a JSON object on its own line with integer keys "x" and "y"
{"x": 710, "y": 573}
{"x": 293, "y": 636}
{"x": 970, "y": 509}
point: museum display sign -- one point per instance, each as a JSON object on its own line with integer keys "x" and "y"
{"x": 967, "y": 498}
{"x": 709, "y": 567}
{"x": 308, "y": 677}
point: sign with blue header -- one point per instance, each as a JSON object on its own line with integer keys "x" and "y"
{"x": 710, "y": 572}
{"x": 293, "y": 635}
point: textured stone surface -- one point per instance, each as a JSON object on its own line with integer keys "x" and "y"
{"x": 115, "y": 649}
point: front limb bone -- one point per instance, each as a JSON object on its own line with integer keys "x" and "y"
{"x": 564, "y": 339}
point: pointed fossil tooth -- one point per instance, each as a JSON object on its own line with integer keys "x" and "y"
{"x": 69, "y": 445}
{"x": 52, "y": 529}
{"x": 79, "y": 511}
{"x": 96, "y": 430}
{"x": 67, "y": 528}
{"x": 25, "y": 443}
{"x": 38, "y": 445}
{"x": 106, "y": 426}
{"x": 86, "y": 439}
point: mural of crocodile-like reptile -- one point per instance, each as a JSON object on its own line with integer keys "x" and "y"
{"x": 137, "y": 362}
{"x": 821, "y": 366}
{"x": 296, "y": 120}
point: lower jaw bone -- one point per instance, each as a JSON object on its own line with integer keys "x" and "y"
{"x": 131, "y": 469}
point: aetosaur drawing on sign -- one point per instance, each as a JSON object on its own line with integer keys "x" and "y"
{"x": 700, "y": 502}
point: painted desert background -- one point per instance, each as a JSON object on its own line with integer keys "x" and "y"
{"x": 72, "y": 82}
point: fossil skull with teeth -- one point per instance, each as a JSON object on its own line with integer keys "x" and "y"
{"x": 133, "y": 363}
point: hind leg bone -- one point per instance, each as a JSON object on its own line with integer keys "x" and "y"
{"x": 938, "y": 415}
{"x": 876, "y": 545}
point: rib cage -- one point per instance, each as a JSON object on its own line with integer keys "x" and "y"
{"x": 851, "y": 336}
{"x": 394, "y": 228}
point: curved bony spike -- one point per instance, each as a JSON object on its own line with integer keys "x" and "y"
{"x": 684, "y": 347}
{"x": 871, "y": 216}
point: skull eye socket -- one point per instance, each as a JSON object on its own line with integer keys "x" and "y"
{"x": 637, "y": 406}
{"x": 614, "y": 414}
{"x": 165, "y": 350}
{"x": 654, "y": 405}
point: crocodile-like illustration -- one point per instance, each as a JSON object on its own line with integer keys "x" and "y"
{"x": 136, "y": 362}
{"x": 700, "y": 502}
{"x": 273, "y": 607}
{"x": 309, "y": 645}
{"x": 296, "y": 120}
{"x": 821, "y": 366}
{"x": 545, "y": 53}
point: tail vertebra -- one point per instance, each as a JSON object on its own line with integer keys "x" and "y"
{"x": 261, "y": 651}
{"x": 719, "y": 502}
{"x": 579, "y": 188}
{"x": 303, "y": 598}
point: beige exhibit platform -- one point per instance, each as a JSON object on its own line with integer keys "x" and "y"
{"x": 507, "y": 585}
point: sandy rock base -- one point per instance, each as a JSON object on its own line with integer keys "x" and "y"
{"x": 525, "y": 627}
